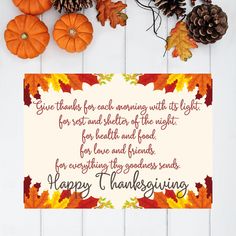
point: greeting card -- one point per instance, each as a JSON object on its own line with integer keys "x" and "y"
{"x": 118, "y": 141}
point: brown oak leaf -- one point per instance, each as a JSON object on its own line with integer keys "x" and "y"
{"x": 112, "y": 11}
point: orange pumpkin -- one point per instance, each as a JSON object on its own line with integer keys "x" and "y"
{"x": 26, "y": 36}
{"x": 73, "y": 32}
{"x": 33, "y": 7}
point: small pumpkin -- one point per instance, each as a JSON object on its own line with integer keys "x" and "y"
{"x": 73, "y": 32}
{"x": 33, "y": 7}
{"x": 26, "y": 36}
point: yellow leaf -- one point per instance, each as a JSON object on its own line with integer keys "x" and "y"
{"x": 181, "y": 81}
{"x": 180, "y": 41}
{"x": 54, "y": 201}
{"x": 54, "y": 80}
{"x": 181, "y": 202}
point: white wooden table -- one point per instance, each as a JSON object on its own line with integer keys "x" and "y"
{"x": 129, "y": 49}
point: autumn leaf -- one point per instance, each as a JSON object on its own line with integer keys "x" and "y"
{"x": 54, "y": 80}
{"x": 35, "y": 201}
{"x": 180, "y": 41}
{"x": 90, "y": 79}
{"x": 88, "y": 203}
{"x": 112, "y": 11}
{"x": 170, "y": 87}
{"x": 74, "y": 200}
{"x": 161, "y": 200}
{"x": 202, "y": 81}
{"x": 74, "y": 81}
{"x": 147, "y": 203}
{"x": 180, "y": 203}
{"x": 181, "y": 81}
{"x": 161, "y": 81}
{"x": 147, "y": 79}
{"x": 55, "y": 203}
{"x": 200, "y": 201}
{"x": 34, "y": 81}
{"x": 27, "y": 183}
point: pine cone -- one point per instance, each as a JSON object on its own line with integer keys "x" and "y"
{"x": 171, "y": 7}
{"x": 70, "y": 6}
{"x": 207, "y": 23}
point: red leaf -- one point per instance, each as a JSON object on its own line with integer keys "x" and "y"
{"x": 208, "y": 100}
{"x": 198, "y": 186}
{"x": 37, "y": 95}
{"x": 27, "y": 183}
{"x": 208, "y": 182}
{"x": 171, "y": 194}
{"x": 170, "y": 87}
{"x": 27, "y": 98}
{"x": 147, "y": 79}
{"x": 66, "y": 88}
{"x": 89, "y": 79}
{"x": 147, "y": 203}
{"x": 65, "y": 194}
{"x": 88, "y": 203}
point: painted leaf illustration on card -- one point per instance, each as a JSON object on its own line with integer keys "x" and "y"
{"x": 112, "y": 11}
{"x": 200, "y": 201}
{"x": 54, "y": 202}
{"x": 34, "y": 81}
{"x": 202, "y": 81}
{"x": 35, "y": 201}
{"x": 181, "y": 42}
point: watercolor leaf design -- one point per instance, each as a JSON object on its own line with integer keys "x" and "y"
{"x": 55, "y": 203}
{"x": 34, "y": 81}
{"x": 200, "y": 80}
{"x": 181, "y": 79}
{"x": 55, "y": 79}
{"x": 199, "y": 201}
{"x": 35, "y": 201}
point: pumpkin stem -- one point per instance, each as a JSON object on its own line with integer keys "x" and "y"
{"x": 72, "y": 32}
{"x": 24, "y": 36}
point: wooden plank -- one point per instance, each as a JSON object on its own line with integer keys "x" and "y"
{"x": 146, "y": 222}
{"x": 56, "y": 60}
{"x": 105, "y": 55}
{"x": 144, "y": 54}
{"x": 15, "y": 220}
{"x": 194, "y": 221}
{"x": 145, "y": 51}
{"x": 188, "y": 222}
{"x": 223, "y": 67}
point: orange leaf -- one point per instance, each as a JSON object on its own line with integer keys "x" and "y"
{"x": 200, "y": 80}
{"x": 74, "y": 200}
{"x": 75, "y": 81}
{"x": 161, "y": 81}
{"x": 161, "y": 200}
{"x": 35, "y": 80}
{"x": 200, "y": 201}
{"x": 108, "y": 10}
{"x": 180, "y": 41}
{"x": 35, "y": 201}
